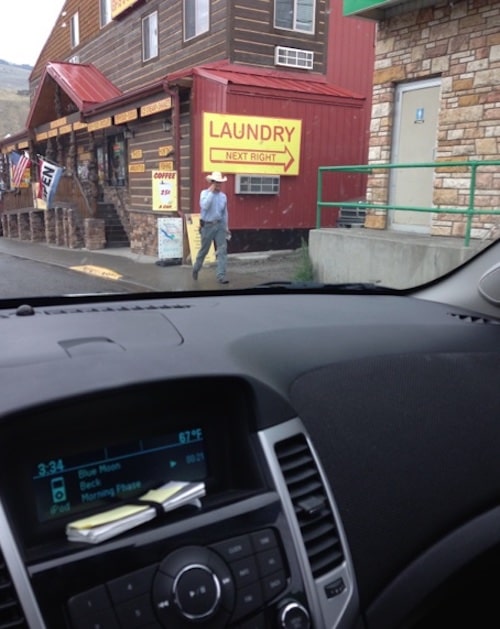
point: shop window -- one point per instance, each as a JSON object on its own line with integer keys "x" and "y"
{"x": 257, "y": 184}
{"x": 75, "y": 30}
{"x": 102, "y": 166}
{"x": 117, "y": 162}
{"x": 150, "y": 36}
{"x": 196, "y": 18}
{"x": 295, "y": 15}
{"x": 105, "y": 12}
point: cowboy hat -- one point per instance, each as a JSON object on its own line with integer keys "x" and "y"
{"x": 216, "y": 176}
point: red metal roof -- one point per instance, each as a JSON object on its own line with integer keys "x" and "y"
{"x": 82, "y": 84}
{"x": 261, "y": 77}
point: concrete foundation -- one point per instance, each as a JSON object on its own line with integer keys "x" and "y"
{"x": 383, "y": 257}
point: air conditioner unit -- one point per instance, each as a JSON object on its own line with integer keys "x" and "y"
{"x": 294, "y": 57}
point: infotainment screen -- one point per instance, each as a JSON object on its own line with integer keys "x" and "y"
{"x": 68, "y": 485}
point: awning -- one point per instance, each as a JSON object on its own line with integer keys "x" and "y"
{"x": 82, "y": 86}
{"x": 262, "y": 78}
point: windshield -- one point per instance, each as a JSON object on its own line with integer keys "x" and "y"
{"x": 183, "y": 146}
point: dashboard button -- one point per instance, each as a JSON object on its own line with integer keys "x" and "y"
{"x": 99, "y": 619}
{"x": 262, "y": 540}
{"x": 136, "y": 613}
{"x": 273, "y": 584}
{"x": 131, "y": 585}
{"x": 245, "y": 571}
{"x": 163, "y": 597}
{"x": 248, "y": 600}
{"x": 234, "y": 548}
{"x": 90, "y": 601}
{"x": 270, "y": 561}
{"x": 197, "y": 592}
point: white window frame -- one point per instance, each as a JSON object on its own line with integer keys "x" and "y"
{"x": 105, "y": 12}
{"x": 74, "y": 27}
{"x": 293, "y": 9}
{"x": 294, "y": 57}
{"x": 257, "y": 184}
{"x": 196, "y": 18}
{"x": 150, "y": 36}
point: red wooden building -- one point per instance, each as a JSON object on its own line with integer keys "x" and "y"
{"x": 331, "y": 117}
{"x": 171, "y": 65}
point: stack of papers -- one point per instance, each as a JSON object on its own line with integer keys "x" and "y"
{"x": 102, "y": 526}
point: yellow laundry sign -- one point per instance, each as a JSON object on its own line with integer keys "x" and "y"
{"x": 251, "y": 144}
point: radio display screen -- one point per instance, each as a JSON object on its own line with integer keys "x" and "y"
{"x": 65, "y": 486}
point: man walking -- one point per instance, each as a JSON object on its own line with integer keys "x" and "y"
{"x": 214, "y": 226}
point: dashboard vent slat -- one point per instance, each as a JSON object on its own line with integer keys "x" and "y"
{"x": 311, "y": 505}
{"x": 473, "y": 318}
{"x": 100, "y": 308}
{"x": 11, "y": 616}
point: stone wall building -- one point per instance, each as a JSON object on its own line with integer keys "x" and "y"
{"x": 452, "y": 48}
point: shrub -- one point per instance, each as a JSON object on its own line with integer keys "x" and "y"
{"x": 304, "y": 271}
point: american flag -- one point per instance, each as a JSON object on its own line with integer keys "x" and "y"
{"x": 20, "y": 162}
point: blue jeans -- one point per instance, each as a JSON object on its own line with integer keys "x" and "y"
{"x": 209, "y": 233}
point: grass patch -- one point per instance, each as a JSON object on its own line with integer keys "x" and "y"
{"x": 304, "y": 271}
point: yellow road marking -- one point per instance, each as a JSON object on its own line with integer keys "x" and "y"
{"x": 99, "y": 271}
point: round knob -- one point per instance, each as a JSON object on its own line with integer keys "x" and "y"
{"x": 193, "y": 585}
{"x": 197, "y": 592}
{"x": 293, "y": 615}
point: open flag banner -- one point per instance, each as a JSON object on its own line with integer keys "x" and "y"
{"x": 48, "y": 176}
{"x": 20, "y": 162}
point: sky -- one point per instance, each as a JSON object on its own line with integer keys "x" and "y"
{"x": 25, "y": 26}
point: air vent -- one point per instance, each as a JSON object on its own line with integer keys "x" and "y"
{"x": 111, "y": 308}
{"x": 472, "y": 318}
{"x": 311, "y": 505}
{"x": 11, "y": 616}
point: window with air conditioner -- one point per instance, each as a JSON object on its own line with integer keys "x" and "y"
{"x": 295, "y": 15}
{"x": 75, "y": 30}
{"x": 105, "y": 12}
{"x": 257, "y": 184}
{"x": 294, "y": 57}
{"x": 196, "y": 18}
{"x": 150, "y": 36}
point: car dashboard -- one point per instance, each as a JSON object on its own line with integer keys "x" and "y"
{"x": 347, "y": 446}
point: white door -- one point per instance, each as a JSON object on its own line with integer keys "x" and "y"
{"x": 415, "y": 129}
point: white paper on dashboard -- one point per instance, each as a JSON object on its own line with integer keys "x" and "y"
{"x": 110, "y": 523}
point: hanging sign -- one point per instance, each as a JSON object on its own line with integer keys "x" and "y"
{"x": 126, "y": 116}
{"x": 157, "y": 107}
{"x": 164, "y": 185}
{"x": 99, "y": 124}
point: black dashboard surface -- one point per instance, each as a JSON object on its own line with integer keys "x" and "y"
{"x": 399, "y": 398}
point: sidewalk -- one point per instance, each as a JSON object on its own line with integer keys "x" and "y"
{"x": 142, "y": 273}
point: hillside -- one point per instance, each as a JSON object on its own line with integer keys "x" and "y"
{"x": 14, "y": 97}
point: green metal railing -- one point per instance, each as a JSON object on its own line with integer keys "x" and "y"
{"x": 470, "y": 212}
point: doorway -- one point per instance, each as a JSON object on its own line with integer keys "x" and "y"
{"x": 415, "y": 131}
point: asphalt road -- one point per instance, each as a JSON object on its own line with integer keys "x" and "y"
{"x": 34, "y": 269}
